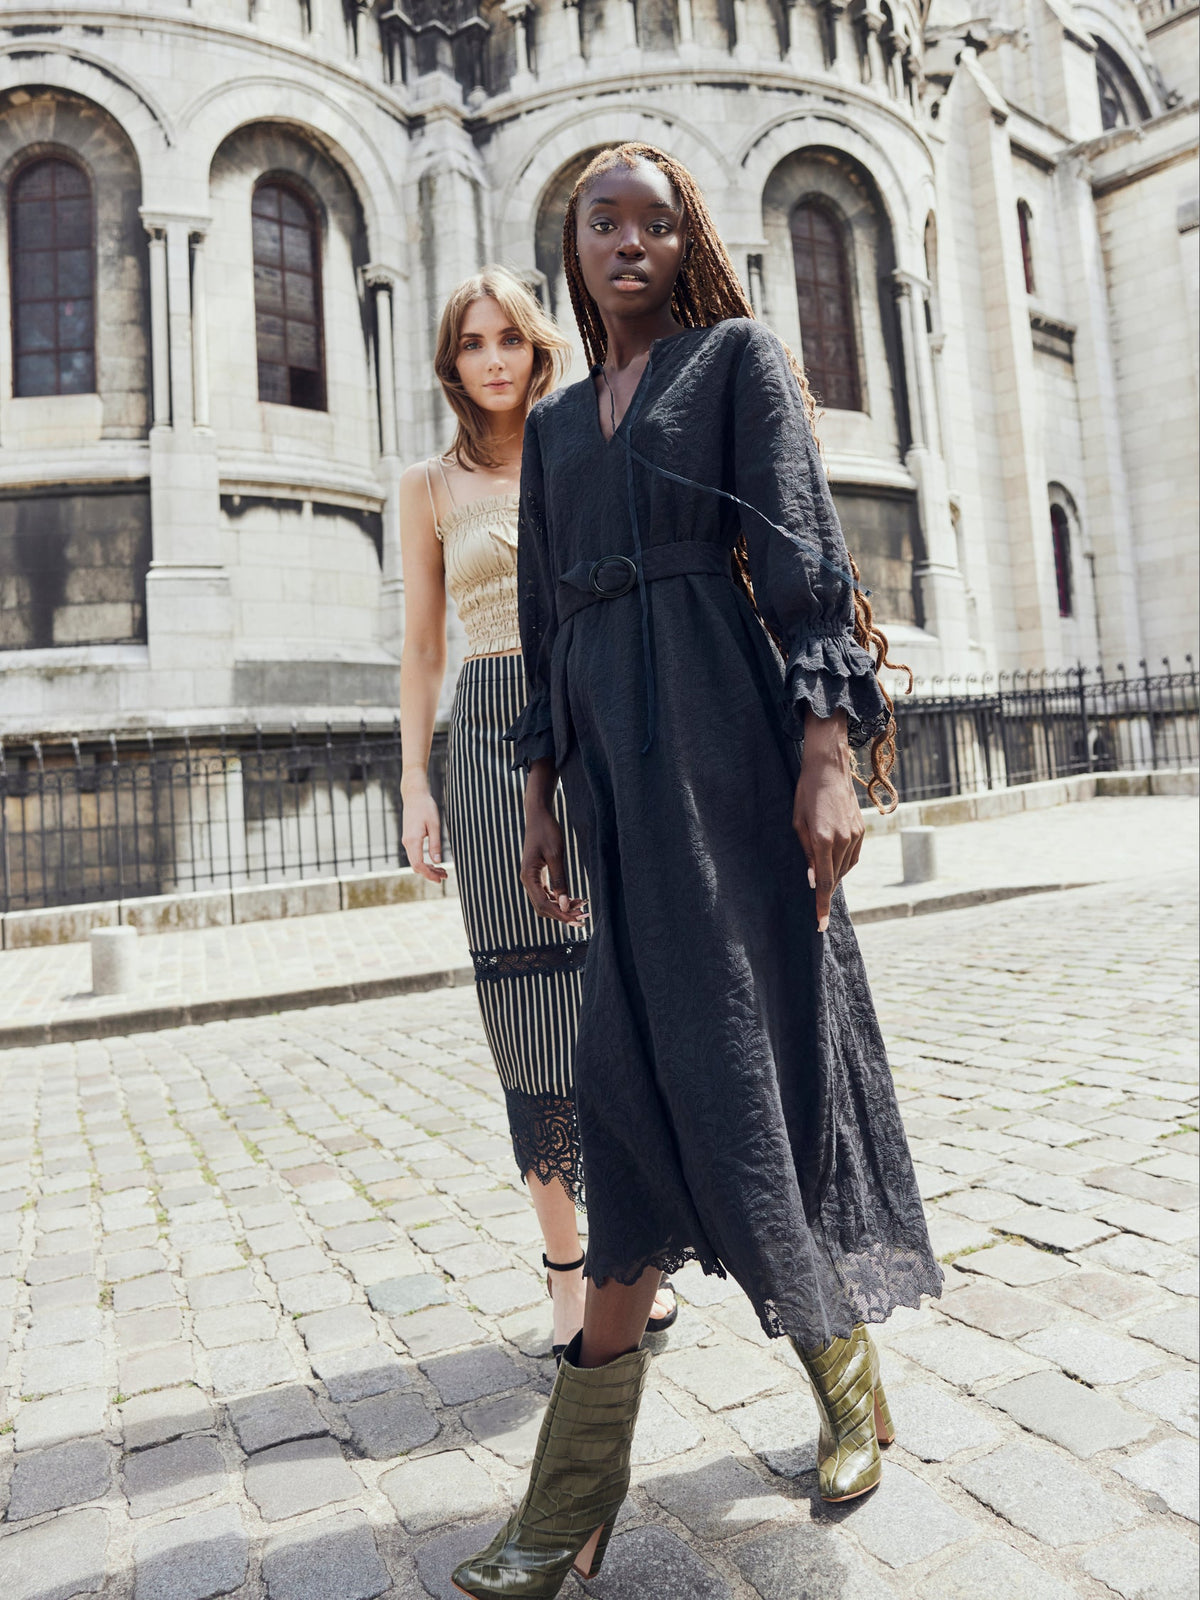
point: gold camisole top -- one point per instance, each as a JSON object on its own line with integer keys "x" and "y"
{"x": 479, "y": 552}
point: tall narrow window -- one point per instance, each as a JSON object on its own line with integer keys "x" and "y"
{"x": 54, "y": 280}
{"x": 1060, "y": 532}
{"x": 826, "y": 310}
{"x": 1025, "y": 224}
{"x": 1122, "y": 103}
{"x": 287, "y": 298}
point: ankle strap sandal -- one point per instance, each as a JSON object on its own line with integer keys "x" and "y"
{"x": 558, "y": 1266}
{"x": 668, "y": 1319}
{"x": 562, "y": 1266}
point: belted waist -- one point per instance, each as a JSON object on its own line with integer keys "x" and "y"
{"x": 613, "y": 576}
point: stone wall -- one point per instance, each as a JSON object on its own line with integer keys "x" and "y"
{"x": 1150, "y": 231}
{"x": 433, "y": 138}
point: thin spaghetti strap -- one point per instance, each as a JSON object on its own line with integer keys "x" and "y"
{"x": 432, "y": 501}
{"x": 446, "y": 482}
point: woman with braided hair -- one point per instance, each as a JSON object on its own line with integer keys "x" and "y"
{"x": 700, "y": 661}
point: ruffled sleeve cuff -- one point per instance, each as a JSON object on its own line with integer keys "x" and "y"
{"x": 832, "y": 672}
{"x": 532, "y": 734}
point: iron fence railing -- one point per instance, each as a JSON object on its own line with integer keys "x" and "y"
{"x": 92, "y": 820}
{"x": 85, "y": 821}
{"x": 962, "y": 737}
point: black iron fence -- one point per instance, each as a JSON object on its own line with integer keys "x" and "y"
{"x": 90, "y": 820}
{"x": 87, "y": 821}
{"x": 965, "y": 736}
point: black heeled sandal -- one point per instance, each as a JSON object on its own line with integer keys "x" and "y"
{"x": 558, "y": 1266}
{"x": 661, "y": 1324}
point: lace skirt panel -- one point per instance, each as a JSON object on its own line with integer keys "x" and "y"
{"x": 528, "y": 973}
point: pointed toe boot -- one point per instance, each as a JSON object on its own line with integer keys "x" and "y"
{"x": 579, "y": 1479}
{"x": 855, "y": 1419}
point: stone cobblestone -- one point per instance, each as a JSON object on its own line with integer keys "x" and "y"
{"x": 280, "y": 1270}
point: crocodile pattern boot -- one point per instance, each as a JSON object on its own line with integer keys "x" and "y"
{"x": 579, "y": 1478}
{"x": 855, "y": 1419}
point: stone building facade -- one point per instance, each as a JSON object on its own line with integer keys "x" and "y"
{"x": 230, "y": 225}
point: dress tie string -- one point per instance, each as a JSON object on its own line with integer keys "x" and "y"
{"x": 632, "y": 455}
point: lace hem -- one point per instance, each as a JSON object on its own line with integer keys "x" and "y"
{"x": 532, "y": 734}
{"x": 874, "y": 1285}
{"x": 536, "y": 960}
{"x": 832, "y": 672}
{"x": 545, "y": 1138}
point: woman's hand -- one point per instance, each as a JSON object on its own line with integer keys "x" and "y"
{"x": 542, "y": 864}
{"x": 421, "y": 825}
{"x": 826, "y": 814}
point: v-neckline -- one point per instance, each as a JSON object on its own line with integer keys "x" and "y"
{"x": 594, "y": 397}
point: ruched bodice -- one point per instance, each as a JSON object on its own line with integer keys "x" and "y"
{"x": 479, "y": 551}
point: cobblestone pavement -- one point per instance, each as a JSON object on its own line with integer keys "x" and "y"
{"x": 276, "y": 1326}
{"x": 1098, "y": 841}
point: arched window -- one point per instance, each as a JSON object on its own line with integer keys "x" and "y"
{"x": 1121, "y": 101}
{"x": 826, "y": 309}
{"x": 1025, "y": 224}
{"x": 53, "y": 256}
{"x": 1060, "y": 532}
{"x": 287, "y": 297}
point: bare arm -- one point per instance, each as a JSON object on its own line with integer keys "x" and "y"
{"x": 422, "y": 668}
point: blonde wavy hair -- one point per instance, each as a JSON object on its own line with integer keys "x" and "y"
{"x": 551, "y": 354}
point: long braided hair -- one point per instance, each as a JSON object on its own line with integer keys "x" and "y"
{"x": 708, "y": 291}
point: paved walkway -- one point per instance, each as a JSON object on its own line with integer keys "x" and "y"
{"x": 275, "y": 1327}
{"x": 1100, "y": 841}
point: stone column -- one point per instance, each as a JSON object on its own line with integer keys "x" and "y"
{"x": 625, "y": 16}
{"x": 179, "y": 322}
{"x": 199, "y": 332}
{"x": 447, "y": 206}
{"x": 909, "y": 290}
{"x": 382, "y": 281}
{"x": 874, "y": 19}
{"x": 943, "y": 592}
{"x": 741, "y": 26}
{"x": 160, "y": 358}
{"x": 1109, "y": 510}
{"x": 1029, "y": 596}
{"x": 188, "y": 600}
{"x": 799, "y": 50}
{"x": 517, "y": 11}
{"x": 832, "y": 12}
{"x": 571, "y": 32}
{"x": 686, "y": 23}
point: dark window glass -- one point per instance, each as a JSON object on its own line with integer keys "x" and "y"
{"x": 1023, "y": 223}
{"x": 287, "y": 298}
{"x": 826, "y": 311}
{"x": 54, "y": 280}
{"x": 1121, "y": 101}
{"x": 1060, "y": 531}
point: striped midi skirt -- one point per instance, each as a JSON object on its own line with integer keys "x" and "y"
{"x": 528, "y": 972}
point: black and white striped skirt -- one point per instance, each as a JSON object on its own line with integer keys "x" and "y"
{"x": 528, "y": 972}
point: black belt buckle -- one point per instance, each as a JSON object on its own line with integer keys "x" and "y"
{"x": 622, "y": 577}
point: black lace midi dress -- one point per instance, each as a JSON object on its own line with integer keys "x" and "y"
{"x": 734, "y": 1098}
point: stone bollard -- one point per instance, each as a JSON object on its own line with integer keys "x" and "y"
{"x": 114, "y": 960}
{"x": 918, "y": 852}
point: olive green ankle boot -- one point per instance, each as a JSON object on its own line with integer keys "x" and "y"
{"x": 579, "y": 1478}
{"x": 855, "y": 1419}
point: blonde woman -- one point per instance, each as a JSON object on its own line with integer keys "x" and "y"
{"x": 497, "y": 353}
